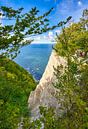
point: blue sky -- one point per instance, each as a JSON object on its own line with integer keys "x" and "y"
{"x": 62, "y": 9}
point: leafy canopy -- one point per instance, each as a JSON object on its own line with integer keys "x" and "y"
{"x": 13, "y": 36}
{"x": 71, "y": 80}
{"x": 15, "y": 87}
{"x": 72, "y": 44}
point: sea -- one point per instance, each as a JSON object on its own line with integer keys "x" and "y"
{"x": 34, "y": 58}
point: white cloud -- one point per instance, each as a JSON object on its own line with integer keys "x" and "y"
{"x": 64, "y": 6}
{"x": 44, "y": 39}
{"x": 50, "y": 35}
{"x": 67, "y": 8}
{"x": 79, "y": 3}
{"x": 57, "y": 31}
{"x": 38, "y": 38}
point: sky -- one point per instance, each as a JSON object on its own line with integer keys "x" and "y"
{"x": 62, "y": 9}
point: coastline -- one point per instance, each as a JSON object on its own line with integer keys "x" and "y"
{"x": 43, "y": 95}
{"x": 34, "y": 58}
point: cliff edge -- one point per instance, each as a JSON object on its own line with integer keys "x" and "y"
{"x": 44, "y": 92}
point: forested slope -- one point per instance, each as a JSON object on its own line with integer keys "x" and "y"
{"x": 15, "y": 87}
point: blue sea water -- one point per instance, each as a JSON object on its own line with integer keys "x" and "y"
{"x": 34, "y": 58}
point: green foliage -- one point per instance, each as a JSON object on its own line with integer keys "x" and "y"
{"x": 14, "y": 35}
{"x": 49, "y": 118}
{"x": 72, "y": 80}
{"x": 72, "y": 44}
{"x": 84, "y": 18}
{"x": 74, "y": 95}
{"x": 71, "y": 39}
{"x": 15, "y": 87}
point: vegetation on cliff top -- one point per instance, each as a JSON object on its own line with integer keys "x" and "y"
{"x": 72, "y": 44}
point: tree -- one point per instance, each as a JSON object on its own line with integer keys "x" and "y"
{"x": 72, "y": 82}
{"x": 15, "y": 87}
{"x": 72, "y": 44}
{"x": 84, "y": 18}
{"x": 14, "y": 36}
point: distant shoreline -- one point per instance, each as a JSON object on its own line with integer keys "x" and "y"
{"x": 43, "y": 43}
{"x": 34, "y": 58}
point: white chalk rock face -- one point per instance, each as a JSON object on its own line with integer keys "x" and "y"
{"x": 45, "y": 92}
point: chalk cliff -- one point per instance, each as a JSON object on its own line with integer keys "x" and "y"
{"x": 44, "y": 92}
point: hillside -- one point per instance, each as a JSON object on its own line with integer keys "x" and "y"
{"x": 15, "y": 87}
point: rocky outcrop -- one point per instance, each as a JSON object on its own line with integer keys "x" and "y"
{"x": 45, "y": 92}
